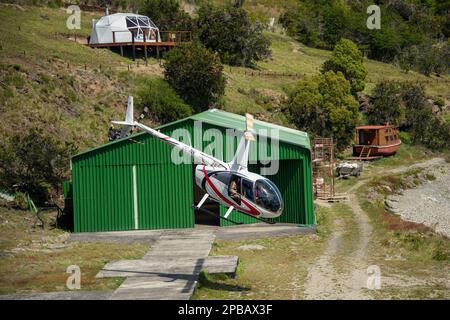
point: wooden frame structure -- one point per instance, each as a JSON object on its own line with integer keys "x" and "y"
{"x": 168, "y": 39}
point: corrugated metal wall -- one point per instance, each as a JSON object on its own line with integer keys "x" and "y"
{"x": 108, "y": 181}
{"x": 103, "y": 184}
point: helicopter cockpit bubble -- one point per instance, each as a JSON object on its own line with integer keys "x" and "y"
{"x": 268, "y": 196}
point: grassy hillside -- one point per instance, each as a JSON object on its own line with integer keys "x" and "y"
{"x": 50, "y": 81}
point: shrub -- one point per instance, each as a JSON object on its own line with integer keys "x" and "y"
{"x": 406, "y": 105}
{"x": 426, "y": 58}
{"x": 36, "y": 160}
{"x": 230, "y": 32}
{"x": 158, "y": 100}
{"x": 324, "y": 106}
{"x": 196, "y": 74}
{"x": 347, "y": 59}
{"x": 386, "y": 104}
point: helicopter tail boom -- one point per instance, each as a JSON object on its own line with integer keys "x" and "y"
{"x": 129, "y": 119}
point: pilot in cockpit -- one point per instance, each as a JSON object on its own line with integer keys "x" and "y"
{"x": 234, "y": 189}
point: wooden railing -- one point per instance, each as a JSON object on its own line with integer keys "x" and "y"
{"x": 176, "y": 36}
{"x": 165, "y": 36}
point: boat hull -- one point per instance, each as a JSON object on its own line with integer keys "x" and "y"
{"x": 387, "y": 150}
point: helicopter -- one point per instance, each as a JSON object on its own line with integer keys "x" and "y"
{"x": 229, "y": 183}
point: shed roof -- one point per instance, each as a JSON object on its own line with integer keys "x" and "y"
{"x": 233, "y": 121}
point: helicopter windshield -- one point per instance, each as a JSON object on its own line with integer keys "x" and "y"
{"x": 268, "y": 196}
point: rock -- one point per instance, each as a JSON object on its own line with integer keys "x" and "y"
{"x": 251, "y": 247}
{"x": 55, "y": 246}
{"x": 392, "y": 198}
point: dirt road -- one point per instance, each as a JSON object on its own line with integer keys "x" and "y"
{"x": 327, "y": 280}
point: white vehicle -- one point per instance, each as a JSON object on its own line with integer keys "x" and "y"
{"x": 230, "y": 184}
{"x": 347, "y": 169}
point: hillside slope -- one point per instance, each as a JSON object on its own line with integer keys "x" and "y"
{"x": 51, "y": 81}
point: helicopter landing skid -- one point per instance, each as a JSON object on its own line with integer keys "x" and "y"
{"x": 215, "y": 215}
{"x": 229, "y": 220}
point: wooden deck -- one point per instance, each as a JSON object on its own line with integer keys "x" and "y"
{"x": 136, "y": 44}
{"x": 167, "y": 39}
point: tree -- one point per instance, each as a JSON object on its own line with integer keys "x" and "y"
{"x": 196, "y": 74}
{"x": 347, "y": 58}
{"x": 323, "y": 105}
{"x": 230, "y": 32}
{"x": 37, "y": 160}
{"x": 158, "y": 100}
{"x": 335, "y": 21}
{"x": 167, "y": 14}
{"x": 405, "y": 104}
{"x": 386, "y": 104}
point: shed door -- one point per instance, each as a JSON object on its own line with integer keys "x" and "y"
{"x": 103, "y": 198}
{"x": 164, "y": 196}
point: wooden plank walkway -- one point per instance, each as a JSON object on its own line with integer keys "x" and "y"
{"x": 169, "y": 270}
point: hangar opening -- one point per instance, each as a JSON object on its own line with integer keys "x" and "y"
{"x": 133, "y": 184}
{"x": 202, "y": 217}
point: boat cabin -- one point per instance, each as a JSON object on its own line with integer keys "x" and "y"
{"x": 376, "y": 141}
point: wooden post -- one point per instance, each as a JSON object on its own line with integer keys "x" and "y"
{"x": 132, "y": 44}
{"x": 121, "y": 51}
{"x": 157, "y": 52}
{"x": 114, "y": 37}
{"x": 145, "y": 49}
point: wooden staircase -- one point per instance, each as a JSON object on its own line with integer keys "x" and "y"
{"x": 365, "y": 152}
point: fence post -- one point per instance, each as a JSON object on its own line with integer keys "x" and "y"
{"x": 134, "y": 47}
{"x": 145, "y": 49}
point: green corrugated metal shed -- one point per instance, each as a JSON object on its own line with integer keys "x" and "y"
{"x": 133, "y": 184}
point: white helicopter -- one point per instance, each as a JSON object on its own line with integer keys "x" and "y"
{"x": 230, "y": 184}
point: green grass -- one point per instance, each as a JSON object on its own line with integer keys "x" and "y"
{"x": 405, "y": 249}
{"x": 407, "y": 155}
{"x": 276, "y": 272}
{"x": 290, "y": 56}
{"x": 29, "y": 263}
{"x": 44, "y": 81}
{"x": 64, "y": 87}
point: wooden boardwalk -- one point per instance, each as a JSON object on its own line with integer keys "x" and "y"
{"x": 168, "y": 271}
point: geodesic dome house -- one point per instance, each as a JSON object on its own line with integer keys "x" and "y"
{"x": 120, "y": 28}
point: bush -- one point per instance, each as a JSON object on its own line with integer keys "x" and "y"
{"x": 406, "y": 105}
{"x": 426, "y": 58}
{"x": 167, "y": 14}
{"x": 403, "y": 24}
{"x": 347, "y": 59}
{"x": 324, "y": 106}
{"x": 386, "y": 104}
{"x": 35, "y": 160}
{"x": 196, "y": 74}
{"x": 230, "y": 32}
{"x": 158, "y": 100}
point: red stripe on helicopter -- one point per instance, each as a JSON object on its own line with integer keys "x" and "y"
{"x": 252, "y": 210}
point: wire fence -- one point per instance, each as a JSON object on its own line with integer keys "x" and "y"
{"x": 265, "y": 73}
